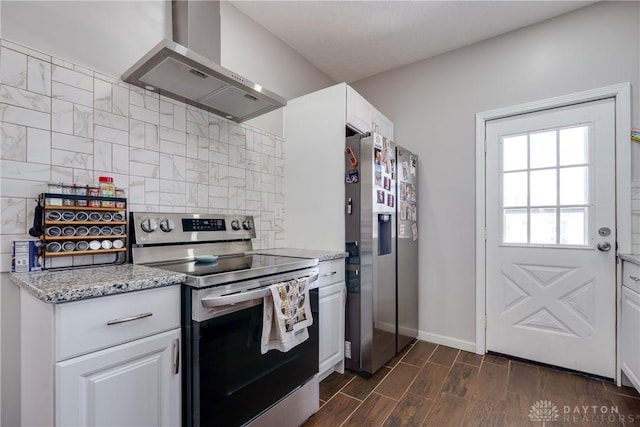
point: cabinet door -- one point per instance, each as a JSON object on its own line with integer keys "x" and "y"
{"x": 359, "y": 111}
{"x": 331, "y": 328}
{"x": 630, "y": 336}
{"x": 133, "y": 384}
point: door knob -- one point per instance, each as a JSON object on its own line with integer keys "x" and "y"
{"x": 604, "y": 247}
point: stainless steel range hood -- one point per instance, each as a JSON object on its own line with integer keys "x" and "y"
{"x": 178, "y": 72}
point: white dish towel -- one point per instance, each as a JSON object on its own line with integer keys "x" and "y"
{"x": 286, "y": 315}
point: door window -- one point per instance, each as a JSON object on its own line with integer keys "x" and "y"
{"x": 545, "y": 187}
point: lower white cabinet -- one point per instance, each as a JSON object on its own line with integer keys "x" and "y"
{"x": 331, "y": 301}
{"x": 107, "y": 361}
{"x": 133, "y": 384}
{"x": 630, "y": 334}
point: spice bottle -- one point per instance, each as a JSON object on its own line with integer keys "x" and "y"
{"x": 81, "y": 190}
{"x": 93, "y": 191}
{"x": 120, "y": 194}
{"x": 107, "y": 189}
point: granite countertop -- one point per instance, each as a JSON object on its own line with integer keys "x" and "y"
{"x": 82, "y": 283}
{"x": 630, "y": 258}
{"x": 304, "y": 253}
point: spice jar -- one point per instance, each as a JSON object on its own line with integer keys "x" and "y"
{"x": 93, "y": 191}
{"x": 81, "y": 190}
{"x": 107, "y": 189}
{"x": 54, "y": 188}
{"x": 120, "y": 194}
{"x": 69, "y": 190}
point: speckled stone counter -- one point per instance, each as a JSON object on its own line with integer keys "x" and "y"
{"x": 630, "y": 258}
{"x": 304, "y": 253}
{"x": 82, "y": 283}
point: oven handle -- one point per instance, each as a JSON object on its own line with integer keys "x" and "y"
{"x": 232, "y": 299}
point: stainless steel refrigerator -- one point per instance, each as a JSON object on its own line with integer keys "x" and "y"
{"x": 407, "y": 246}
{"x": 370, "y": 221}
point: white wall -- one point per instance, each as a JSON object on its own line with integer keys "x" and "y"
{"x": 433, "y": 103}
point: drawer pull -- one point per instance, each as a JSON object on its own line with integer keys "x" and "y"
{"x": 330, "y": 274}
{"x": 634, "y": 278}
{"x": 129, "y": 319}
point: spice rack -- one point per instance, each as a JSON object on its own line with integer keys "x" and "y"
{"x": 66, "y": 224}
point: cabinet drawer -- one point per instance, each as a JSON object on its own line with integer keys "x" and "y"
{"x": 631, "y": 275}
{"x": 85, "y": 326}
{"x": 331, "y": 271}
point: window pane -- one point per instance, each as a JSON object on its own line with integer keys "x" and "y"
{"x": 515, "y": 226}
{"x": 573, "y": 226}
{"x": 543, "y": 187}
{"x": 514, "y": 153}
{"x": 574, "y": 146}
{"x": 543, "y": 226}
{"x": 542, "y": 149}
{"x": 514, "y": 186}
{"x": 574, "y": 186}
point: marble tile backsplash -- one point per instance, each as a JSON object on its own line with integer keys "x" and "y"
{"x": 63, "y": 122}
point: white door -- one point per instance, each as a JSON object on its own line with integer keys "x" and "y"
{"x": 134, "y": 384}
{"x": 550, "y": 247}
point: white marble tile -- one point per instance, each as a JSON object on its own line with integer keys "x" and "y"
{"x": 197, "y": 129}
{"x": 179, "y": 168}
{"x": 85, "y": 176}
{"x": 106, "y": 78}
{"x": 218, "y": 158}
{"x": 38, "y": 146}
{"x": 83, "y": 121}
{"x": 197, "y": 115}
{"x": 25, "y": 99}
{"x": 268, "y": 145}
{"x": 62, "y": 141}
{"x": 136, "y": 190}
{"x": 218, "y": 203}
{"x": 172, "y": 186}
{"x": 136, "y": 134}
{"x": 72, "y": 94}
{"x": 192, "y": 195}
{"x": 172, "y": 135}
{"x": 24, "y": 170}
{"x": 102, "y": 156}
{"x": 144, "y": 156}
{"x": 21, "y": 188}
{"x": 152, "y": 191}
{"x": 268, "y": 165}
{"x": 237, "y": 157}
{"x": 13, "y": 142}
{"x": 180, "y": 118}
{"x": 61, "y": 174}
{"x": 112, "y": 135}
{"x": 166, "y": 166}
{"x": 107, "y": 119}
{"x": 14, "y": 215}
{"x": 173, "y": 199}
{"x": 278, "y": 167}
{"x": 120, "y": 100}
{"x": 151, "y": 141}
{"x": 120, "y": 157}
{"x": 13, "y": 68}
{"x": 144, "y": 115}
{"x": 71, "y": 159}
{"x": 166, "y": 113}
{"x": 237, "y": 135}
{"x": 144, "y": 169}
{"x": 203, "y": 196}
{"x": 268, "y": 183}
{"x": 237, "y": 199}
{"x": 24, "y": 117}
{"x": 84, "y": 70}
{"x": 61, "y": 116}
{"x": 72, "y": 78}
{"x": 39, "y": 76}
{"x": 192, "y": 146}
{"x": 170, "y": 147}
{"x": 102, "y": 97}
{"x": 219, "y": 147}
{"x": 25, "y": 50}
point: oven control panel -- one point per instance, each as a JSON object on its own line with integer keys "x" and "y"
{"x": 162, "y": 228}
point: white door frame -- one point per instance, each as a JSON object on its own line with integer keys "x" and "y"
{"x": 622, "y": 94}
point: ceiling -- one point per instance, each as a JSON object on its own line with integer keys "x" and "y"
{"x": 351, "y": 40}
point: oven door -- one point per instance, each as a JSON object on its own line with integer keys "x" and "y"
{"x": 228, "y": 381}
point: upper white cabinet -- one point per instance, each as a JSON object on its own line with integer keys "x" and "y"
{"x": 315, "y": 131}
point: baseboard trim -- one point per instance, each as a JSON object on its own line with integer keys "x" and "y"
{"x": 448, "y": 341}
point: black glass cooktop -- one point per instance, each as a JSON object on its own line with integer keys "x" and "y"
{"x": 228, "y": 269}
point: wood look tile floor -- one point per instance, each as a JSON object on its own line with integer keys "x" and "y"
{"x": 434, "y": 385}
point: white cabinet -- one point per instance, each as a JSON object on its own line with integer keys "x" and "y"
{"x": 332, "y": 299}
{"x": 133, "y": 384}
{"x": 113, "y": 360}
{"x": 315, "y": 131}
{"x": 630, "y": 323}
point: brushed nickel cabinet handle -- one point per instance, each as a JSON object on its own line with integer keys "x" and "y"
{"x": 176, "y": 356}
{"x": 330, "y": 274}
{"x": 129, "y": 319}
{"x": 634, "y": 278}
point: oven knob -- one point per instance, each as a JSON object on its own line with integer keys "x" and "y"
{"x": 235, "y": 224}
{"x": 149, "y": 225}
{"x": 247, "y": 225}
{"x": 167, "y": 225}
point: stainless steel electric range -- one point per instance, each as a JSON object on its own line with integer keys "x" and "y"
{"x": 226, "y": 379}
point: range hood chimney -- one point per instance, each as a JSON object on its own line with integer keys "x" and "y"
{"x": 188, "y": 68}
